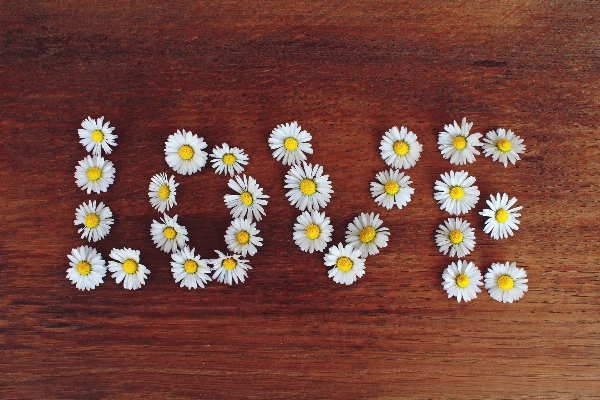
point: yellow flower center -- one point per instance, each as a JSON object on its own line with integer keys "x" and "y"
{"x": 504, "y": 145}
{"x": 401, "y": 148}
{"x": 229, "y": 159}
{"x": 169, "y": 233}
{"x": 130, "y": 266}
{"x": 367, "y": 234}
{"x": 84, "y": 268}
{"x": 190, "y": 266}
{"x": 392, "y": 187}
{"x": 505, "y": 282}
{"x": 243, "y": 237}
{"x": 290, "y": 144}
{"x": 246, "y": 198}
{"x": 308, "y": 187}
{"x": 459, "y": 142}
{"x": 501, "y": 216}
{"x": 186, "y": 152}
{"x": 344, "y": 264}
{"x": 94, "y": 173}
{"x": 164, "y": 192}
{"x": 462, "y": 281}
{"x": 313, "y": 231}
{"x": 457, "y": 192}
{"x": 456, "y": 236}
{"x": 97, "y": 136}
{"x": 92, "y": 220}
{"x": 229, "y": 264}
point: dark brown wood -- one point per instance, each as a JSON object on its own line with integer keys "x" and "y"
{"x": 346, "y": 71}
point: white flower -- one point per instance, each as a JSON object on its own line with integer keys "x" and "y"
{"x": 87, "y": 268}
{"x": 290, "y": 143}
{"x": 96, "y": 220}
{"x": 162, "y": 192}
{"x": 96, "y": 137}
{"x": 456, "y": 236}
{"x": 400, "y": 148}
{"x": 127, "y": 268}
{"x": 393, "y": 188}
{"x": 94, "y": 174}
{"x": 503, "y": 145}
{"x": 506, "y": 282}
{"x": 229, "y": 160}
{"x": 462, "y": 280}
{"x": 456, "y": 143}
{"x": 229, "y": 268}
{"x": 312, "y": 231}
{"x": 168, "y": 235}
{"x": 183, "y": 152}
{"x": 366, "y": 234}
{"x": 502, "y": 219}
{"x": 310, "y": 189}
{"x": 250, "y": 200}
{"x": 346, "y": 262}
{"x": 456, "y": 193}
{"x": 241, "y": 237}
{"x": 190, "y": 269}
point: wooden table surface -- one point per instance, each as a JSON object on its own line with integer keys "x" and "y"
{"x": 346, "y": 71}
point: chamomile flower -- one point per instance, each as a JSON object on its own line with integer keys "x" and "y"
{"x": 462, "y": 280}
{"x": 456, "y": 236}
{"x": 312, "y": 231}
{"x": 94, "y": 174}
{"x": 168, "y": 235}
{"x": 229, "y": 268}
{"x": 400, "y": 148}
{"x": 502, "y": 219}
{"x": 456, "y": 193}
{"x": 96, "y": 220}
{"x": 309, "y": 188}
{"x": 189, "y": 269}
{"x": 162, "y": 192}
{"x": 457, "y": 144}
{"x": 229, "y": 160}
{"x": 183, "y": 152}
{"x": 249, "y": 201}
{"x": 87, "y": 268}
{"x": 241, "y": 237}
{"x": 505, "y": 282}
{"x": 290, "y": 143}
{"x": 127, "y": 268}
{"x": 392, "y": 189}
{"x": 366, "y": 234}
{"x": 96, "y": 136}
{"x": 503, "y": 146}
{"x": 346, "y": 262}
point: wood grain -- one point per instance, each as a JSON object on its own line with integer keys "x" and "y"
{"x": 346, "y": 71}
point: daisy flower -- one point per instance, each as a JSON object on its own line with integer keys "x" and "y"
{"x": 229, "y": 268}
{"x": 312, "y": 231}
{"x": 96, "y": 220}
{"x": 168, "y": 235}
{"x": 290, "y": 143}
{"x": 309, "y": 188}
{"x": 241, "y": 237}
{"x": 456, "y": 236}
{"x": 190, "y": 269}
{"x": 250, "y": 200}
{"x": 366, "y": 234}
{"x": 503, "y": 146}
{"x": 87, "y": 268}
{"x": 457, "y": 144}
{"x": 399, "y": 148}
{"x": 127, "y": 268}
{"x": 506, "y": 282}
{"x": 162, "y": 192}
{"x": 346, "y": 262}
{"x": 462, "y": 280}
{"x": 392, "y": 189}
{"x": 455, "y": 192}
{"x": 183, "y": 152}
{"x": 229, "y": 160}
{"x": 94, "y": 174}
{"x": 502, "y": 219}
{"x": 96, "y": 137}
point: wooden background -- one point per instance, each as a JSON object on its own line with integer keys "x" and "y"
{"x": 346, "y": 71}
